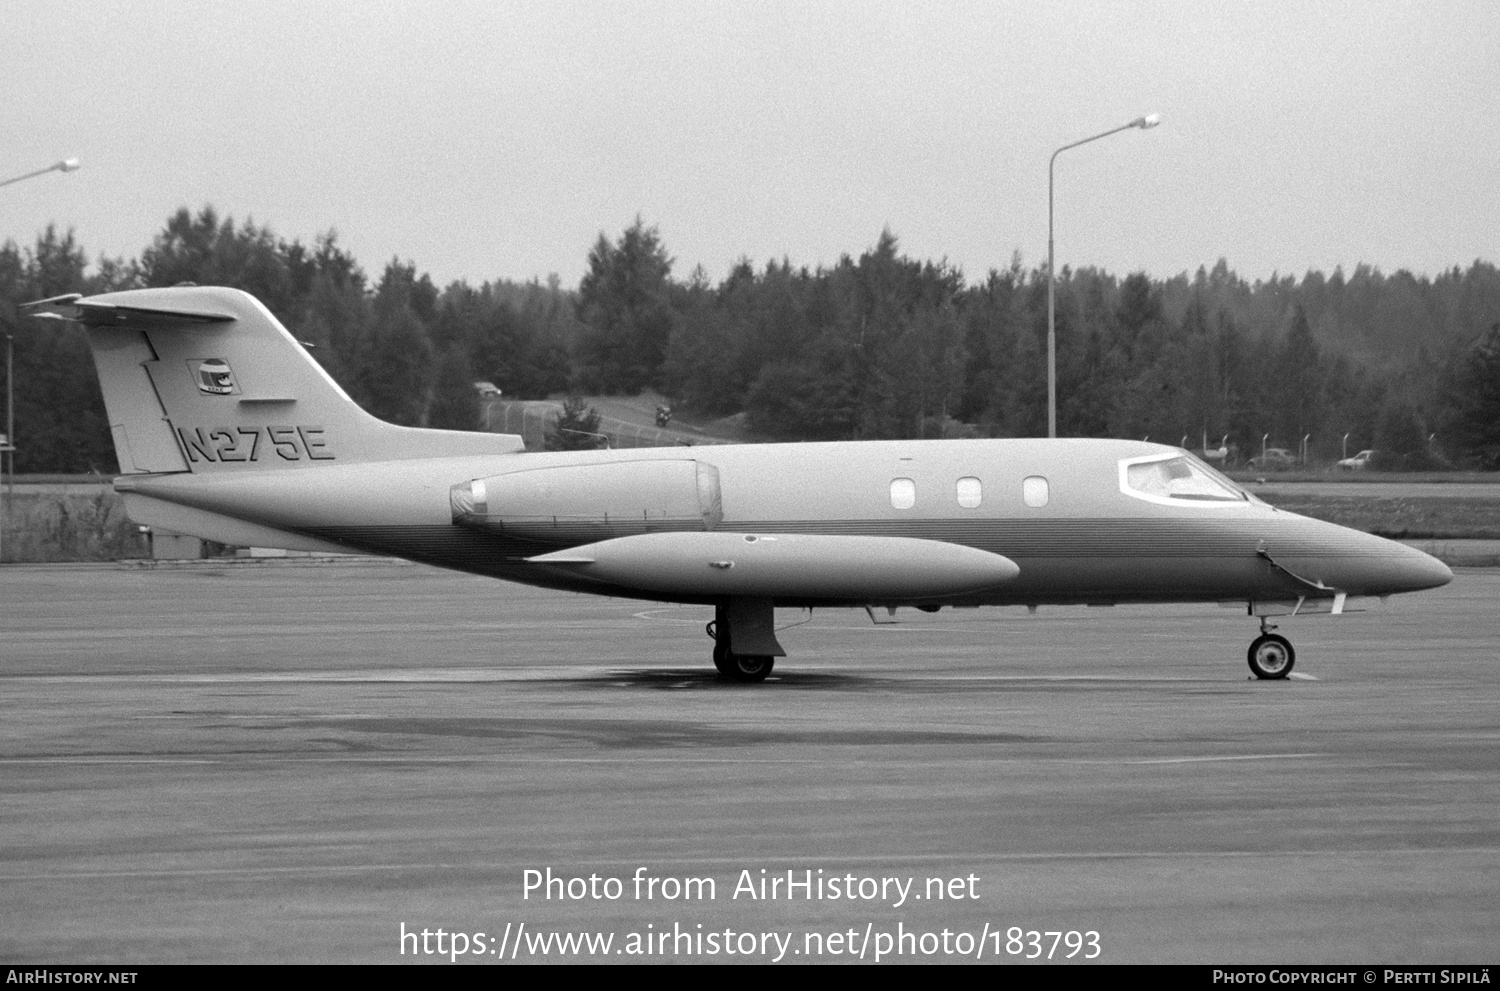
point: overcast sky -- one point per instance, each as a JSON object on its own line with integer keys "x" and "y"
{"x": 488, "y": 140}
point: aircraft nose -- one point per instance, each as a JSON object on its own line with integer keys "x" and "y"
{"x": 1355, "y": 562}
{"x": 1416, "y": 570}
{"x": 1385, "y": 567}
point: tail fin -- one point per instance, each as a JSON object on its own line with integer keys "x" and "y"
{"x": 205, "y": 380}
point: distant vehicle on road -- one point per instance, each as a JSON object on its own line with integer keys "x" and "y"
{"x": 1358, "y": 462}
{"x": 1274, "y": 458}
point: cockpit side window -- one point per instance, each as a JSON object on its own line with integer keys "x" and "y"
{"x": 1176, "y": 480}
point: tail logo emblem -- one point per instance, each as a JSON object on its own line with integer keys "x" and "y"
{"x": 214, "y": 377}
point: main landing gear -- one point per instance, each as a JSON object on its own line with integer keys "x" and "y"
{"x": 1271, "y": 655}
{"x": 748, "y": 624}
{"x": 739, "y": 667}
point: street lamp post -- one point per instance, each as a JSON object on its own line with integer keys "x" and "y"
{"x": 10, "y": 417}
{"x": 1150, "y": 120}
{"x": 9, "y": 447}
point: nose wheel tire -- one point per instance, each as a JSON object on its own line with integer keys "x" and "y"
{"x": 1271, "y": 656}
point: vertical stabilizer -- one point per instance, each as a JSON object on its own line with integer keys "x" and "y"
{"x": 206, "y": 380}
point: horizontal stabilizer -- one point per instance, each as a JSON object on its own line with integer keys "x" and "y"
{"x": 799, "y": 566}
{"x": 94, "y": 314}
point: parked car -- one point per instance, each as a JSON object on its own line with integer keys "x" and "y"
{"x": 1359, "y": 461}
{"x": 1274, "y": 458}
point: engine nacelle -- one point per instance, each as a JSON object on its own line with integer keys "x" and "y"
{"x": 583, "y": 503}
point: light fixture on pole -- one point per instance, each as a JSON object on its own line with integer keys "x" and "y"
{"x": 1149, "y": 121}
{"x": 66, "y": 165}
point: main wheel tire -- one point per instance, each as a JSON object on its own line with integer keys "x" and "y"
{"x": 1271, "y": 657}
{"x": 750, "y": 667}
{"x": 722, "y": 660}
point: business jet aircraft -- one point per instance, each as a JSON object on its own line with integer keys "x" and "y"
{"x": 227, "y": 429}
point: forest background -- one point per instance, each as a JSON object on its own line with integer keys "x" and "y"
{"x": 875, "y": 346}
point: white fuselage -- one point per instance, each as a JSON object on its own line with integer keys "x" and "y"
{"x": 1061, "y": 510}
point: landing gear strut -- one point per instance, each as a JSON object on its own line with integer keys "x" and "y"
{"x": 733, "y": 666}
{"x": 1271, "y": 656}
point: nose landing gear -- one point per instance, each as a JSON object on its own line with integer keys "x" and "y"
{"x": 1271, "y": 656}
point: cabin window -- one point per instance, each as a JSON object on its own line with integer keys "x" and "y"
{"x": 970, "y": 492}
{"x": 1034, "y": 491}
{"x": 903, "y": 493}
{"x": 1178, "y": 479}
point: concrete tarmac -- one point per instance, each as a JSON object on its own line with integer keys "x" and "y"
{"x": 283, "y": 762}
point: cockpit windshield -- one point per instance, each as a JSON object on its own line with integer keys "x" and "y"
{"x": 1175, "y": 478}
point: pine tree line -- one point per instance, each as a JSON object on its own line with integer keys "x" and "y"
{"x": 876, "y": 346}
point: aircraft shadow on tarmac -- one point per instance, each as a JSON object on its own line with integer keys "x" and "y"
{"x": 698, "y": 679}
{"x": 680, "y": 679}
